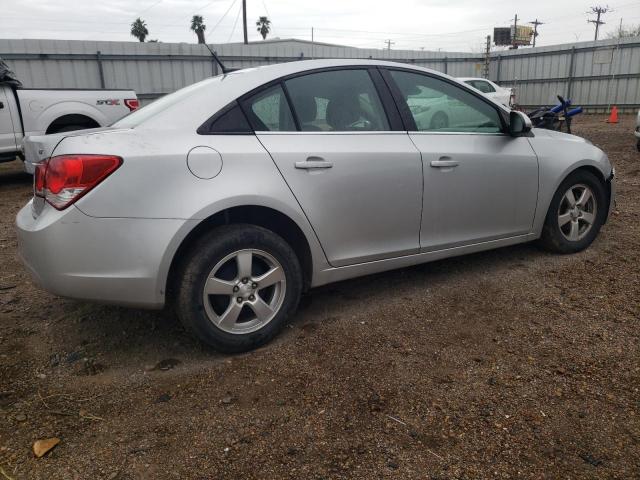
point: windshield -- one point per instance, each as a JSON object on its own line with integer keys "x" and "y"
{"x": 143, "y": 114}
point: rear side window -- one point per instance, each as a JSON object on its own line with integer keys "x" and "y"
{"x": 229, "y": 122}
{"x": 268, "y": 111}
{"x": 337, "y": 101}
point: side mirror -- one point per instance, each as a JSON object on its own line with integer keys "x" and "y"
{"x": 519, "y": 123}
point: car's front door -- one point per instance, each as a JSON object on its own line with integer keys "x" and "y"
{"x": 358, "y": 181}
{"x": 480, "y": 184}
{"x": 7, "y": 132}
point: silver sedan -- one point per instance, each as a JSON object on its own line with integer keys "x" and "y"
{"x": 231, "y": 197}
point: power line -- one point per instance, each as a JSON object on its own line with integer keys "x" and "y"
{"x": 234, "y": 25}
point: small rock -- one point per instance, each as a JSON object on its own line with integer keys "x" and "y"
{"x": 591, "y": 460}
{"x": 167, "y": 364}
{"x": 54, "y": 360}
{"x": 227, "y": 400}
{"x": 41, "y": 376}
{"x": 20, "y": 417}
{"x": 165, "y": 397}
{"x": 393, "y": 464}
{"x": 73, "y": 357}
{"x": 41, "y": 447}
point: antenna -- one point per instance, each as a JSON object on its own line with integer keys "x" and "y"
{"x": 219, "y": 62}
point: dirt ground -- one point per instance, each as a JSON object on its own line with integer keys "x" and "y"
{"x": 513, "y": 363}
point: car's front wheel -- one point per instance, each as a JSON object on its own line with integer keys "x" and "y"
{"x": 238, "y": 287}
{"x": 577, "y": 211}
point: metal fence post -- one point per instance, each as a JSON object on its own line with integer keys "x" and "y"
{"x": 445, "y": 59}
{"x": 570, "y": 74}
{"x": 498, "y": 69}
{"x": 100, "y": 71}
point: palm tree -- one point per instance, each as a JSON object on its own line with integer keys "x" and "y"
{"x": 264, "y": 27}
{"x": 199, "y": 27}
{"x": 139, "y": 29}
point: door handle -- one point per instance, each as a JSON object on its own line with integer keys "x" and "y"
{"x": 444, "y": 162}
{"x": 313, "y": 163}
{"x": 1, "y": 105}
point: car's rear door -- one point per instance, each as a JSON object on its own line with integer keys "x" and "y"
{"x": 336, "y": 138}
{"x": 480, "y": 184}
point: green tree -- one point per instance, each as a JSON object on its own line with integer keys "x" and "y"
{"x": 198, "y": 26}
{"x": 264, "y": 26}
{"x": 139, "y": 29}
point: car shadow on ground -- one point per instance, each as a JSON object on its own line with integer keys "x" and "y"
{"x": 145, "y": 337}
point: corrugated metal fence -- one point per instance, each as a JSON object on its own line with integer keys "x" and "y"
{"x": 594, "y": 74}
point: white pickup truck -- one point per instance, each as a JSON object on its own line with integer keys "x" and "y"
{"x": 25, "y": 112}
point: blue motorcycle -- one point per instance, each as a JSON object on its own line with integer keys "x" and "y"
{"x": 555, "y": 118}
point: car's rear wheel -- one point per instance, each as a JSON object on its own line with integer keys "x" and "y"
{"x": 576, "y": 213}
{"x": 238, "y": 287}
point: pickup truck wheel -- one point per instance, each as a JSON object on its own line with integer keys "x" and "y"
{"x": 69, "y": 128}
{"x": 576, "y": 213}
{"x": 238, "y": 287}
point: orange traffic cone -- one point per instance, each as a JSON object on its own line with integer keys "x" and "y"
{"x": 613, "y": 118}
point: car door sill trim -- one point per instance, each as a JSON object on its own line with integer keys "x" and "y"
{"x": 356, "y": 270}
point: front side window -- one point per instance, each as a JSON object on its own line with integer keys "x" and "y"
{"x": 268, "y": 111}
{"x": 337, "y": 101}
{"x": 439, "y": 106}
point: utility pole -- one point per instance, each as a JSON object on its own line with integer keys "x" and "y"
{"x": 535, "y": 24}
{"x": 514, "y": 45}
{"x": 487, "y": 58}
{"x": 389, "y": 43}
{"x": 244, "y": 20}
{"x": 599, "y": 11}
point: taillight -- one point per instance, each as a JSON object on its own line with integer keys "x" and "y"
{"x": 38, "y": 179}
{"x": 132, "y": 103}
{"x": 62, "y": 180}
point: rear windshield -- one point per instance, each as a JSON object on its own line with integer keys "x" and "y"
{"x": 143, "y": 114}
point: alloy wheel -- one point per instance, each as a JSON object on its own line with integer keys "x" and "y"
{"x": 244, "y": 291}
{"x": 577, "y": 212}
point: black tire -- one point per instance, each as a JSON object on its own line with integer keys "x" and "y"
{"x": 207, "y": 252}
{"x": 439, "y": 121}
{"x": 552, "y": 237}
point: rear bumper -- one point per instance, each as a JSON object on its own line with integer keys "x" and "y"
{"x": 110, "y": 260}
{"x": 29, "y": 167}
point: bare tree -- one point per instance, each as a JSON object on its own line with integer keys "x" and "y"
{"x": 625, "y": 31}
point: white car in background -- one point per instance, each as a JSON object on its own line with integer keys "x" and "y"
{"x": 505, "y": 96}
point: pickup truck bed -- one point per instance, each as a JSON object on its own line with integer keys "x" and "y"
{"x": 26, "y": 112}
